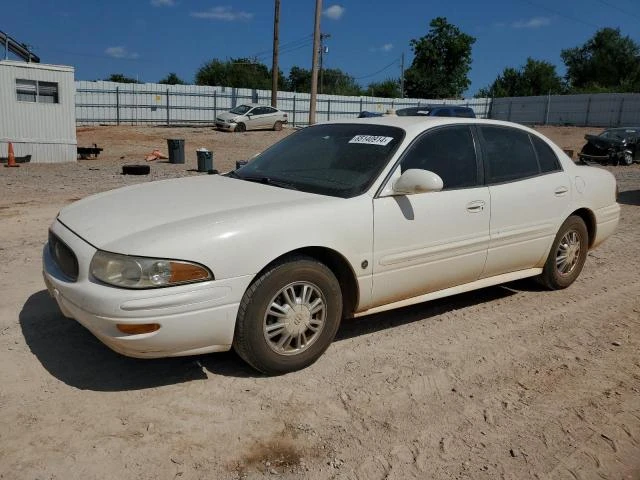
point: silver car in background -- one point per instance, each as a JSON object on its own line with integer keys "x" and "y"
{"x": 251, "y": 116}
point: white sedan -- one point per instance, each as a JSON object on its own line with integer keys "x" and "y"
{"x": 251, "y": 116}
{"x": 336, "y": 220}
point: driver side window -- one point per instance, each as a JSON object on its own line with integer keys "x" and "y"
{"x": 449, "y": 152}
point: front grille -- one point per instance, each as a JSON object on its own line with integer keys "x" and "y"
{"x": 64, "y": 257}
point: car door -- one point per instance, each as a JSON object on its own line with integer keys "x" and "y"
{"x": 430, "y": 241}
{"x": 261, "y": 117}
{"x": 530, "y": 195}
{"x": 270, "y": 117}
{"x": 253, "y": 118}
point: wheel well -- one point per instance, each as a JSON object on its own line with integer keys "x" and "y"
{"x": 340, "y": 268}
{"x": 590, "y": 221}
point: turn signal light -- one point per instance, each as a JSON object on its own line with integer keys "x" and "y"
{"x": 136, "y": 329}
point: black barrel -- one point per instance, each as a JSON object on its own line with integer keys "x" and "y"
{"x": 176, "y": 150}
{"x": 205, "y": 160}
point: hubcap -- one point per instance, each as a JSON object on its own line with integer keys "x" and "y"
{"x": 295, "y": 318}
{"x": 568, "y": 252}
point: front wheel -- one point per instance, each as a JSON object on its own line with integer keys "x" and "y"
{"x": 567, "y": 256}
{"x": 241, "y": 127}
{"x": 289, "y": 316}
{"x": 627, "y": 158}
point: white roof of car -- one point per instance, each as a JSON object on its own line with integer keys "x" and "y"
{"x": 417, "y": 124}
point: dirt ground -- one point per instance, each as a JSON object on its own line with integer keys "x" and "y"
{"x": 508, "y": 382}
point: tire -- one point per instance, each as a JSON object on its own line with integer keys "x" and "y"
{"x": 572, "y": 238}
{"x": 277, "y": 126}
{"x": 241, "y": 127}
{"x": 136, "y": 169}
{"x": 627, "y": 158}
{"x": 266, "y": 317}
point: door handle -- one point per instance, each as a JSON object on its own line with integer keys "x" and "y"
{"x": 561, "y": 191}
{"x": 475, "y": 206}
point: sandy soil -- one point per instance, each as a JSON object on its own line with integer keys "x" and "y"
{"x": 508, "y": 382}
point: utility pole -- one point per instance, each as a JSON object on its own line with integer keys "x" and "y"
{"x": 274, "y": 65}
{"x": 322, "y": 52}
{"x": 314, "y": 64}
{"x": 402, "y": 76}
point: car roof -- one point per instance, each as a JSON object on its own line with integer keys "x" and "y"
{"x": 254, "y": 105}
{"x": 417, "y": 124}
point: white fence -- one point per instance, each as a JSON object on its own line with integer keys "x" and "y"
{"x": 150, "y": 103}
{"x": 592, "y": 110}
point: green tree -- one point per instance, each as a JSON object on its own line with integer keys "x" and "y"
{"x": 337, "y": 82}
{"x": 441, "y": 63}
{"x": 120, "y": 78}
{"x": 237, "y": 72}
{"x": 608, "y": 61}
{"x": 172, "y": 79}
{"x": 389, "y": 88}
{"x": 536, "y": 77}
{"x": 334, "y": 81}
{"x": 299, "y": 79}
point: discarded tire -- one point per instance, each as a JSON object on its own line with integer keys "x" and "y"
{"x": 136, "y": 169}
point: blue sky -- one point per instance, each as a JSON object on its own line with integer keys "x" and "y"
{"x": 149, "y": 38}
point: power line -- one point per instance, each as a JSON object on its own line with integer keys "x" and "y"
{"x": 556, "y": 12}
{"x": 615, "y": 7}
{"x": 378, "y": 71}
{"x": 304, "y": 41}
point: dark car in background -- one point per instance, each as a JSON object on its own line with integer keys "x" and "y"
{"x": 613, "y": 146}
{"x": 437, "y": 111}
{"x": 427, "y": 111}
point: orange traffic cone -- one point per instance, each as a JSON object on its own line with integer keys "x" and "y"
{"x": 11, "y": 160}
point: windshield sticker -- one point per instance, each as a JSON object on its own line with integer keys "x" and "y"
{"x": 371, "y": 140}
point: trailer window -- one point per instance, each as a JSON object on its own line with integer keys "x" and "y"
{"x": 36, "y": 91}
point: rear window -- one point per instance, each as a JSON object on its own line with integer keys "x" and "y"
{"x": 548, "y": 160}
{"x": 508, "y": 154}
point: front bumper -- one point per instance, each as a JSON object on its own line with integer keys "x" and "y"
{"x": 228, "y": 126}
{"x": 193, "y": 319}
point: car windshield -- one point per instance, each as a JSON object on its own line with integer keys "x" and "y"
{"x": 340, "y": 160}
{"x": 240, "y": 109}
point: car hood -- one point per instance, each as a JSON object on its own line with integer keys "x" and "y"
{"x": 227, "y": 116}
{"x": 134, "y": 219}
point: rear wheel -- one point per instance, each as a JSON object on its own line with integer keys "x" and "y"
{"x": 277, "y": 126}
{"x": 289, "y": 316}
{"x": 567, "y": 256}
{"x": 241, "y": 127}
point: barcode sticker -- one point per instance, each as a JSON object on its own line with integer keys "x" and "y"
{"x": 371, "y": 140}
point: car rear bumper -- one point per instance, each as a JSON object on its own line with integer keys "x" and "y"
{"x": 192, "y": 319}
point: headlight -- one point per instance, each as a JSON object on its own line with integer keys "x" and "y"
{"x": 141, "y": 272}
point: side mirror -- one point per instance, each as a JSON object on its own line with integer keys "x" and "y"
{"x": 417, "y": 181}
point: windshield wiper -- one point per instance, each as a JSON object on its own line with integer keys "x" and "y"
{"x": 267, "y": 181}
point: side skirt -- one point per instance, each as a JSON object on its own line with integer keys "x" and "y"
{"x": 467, "y": 287}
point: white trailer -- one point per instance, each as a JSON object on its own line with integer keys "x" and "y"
{"x": 37, "y": 111}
